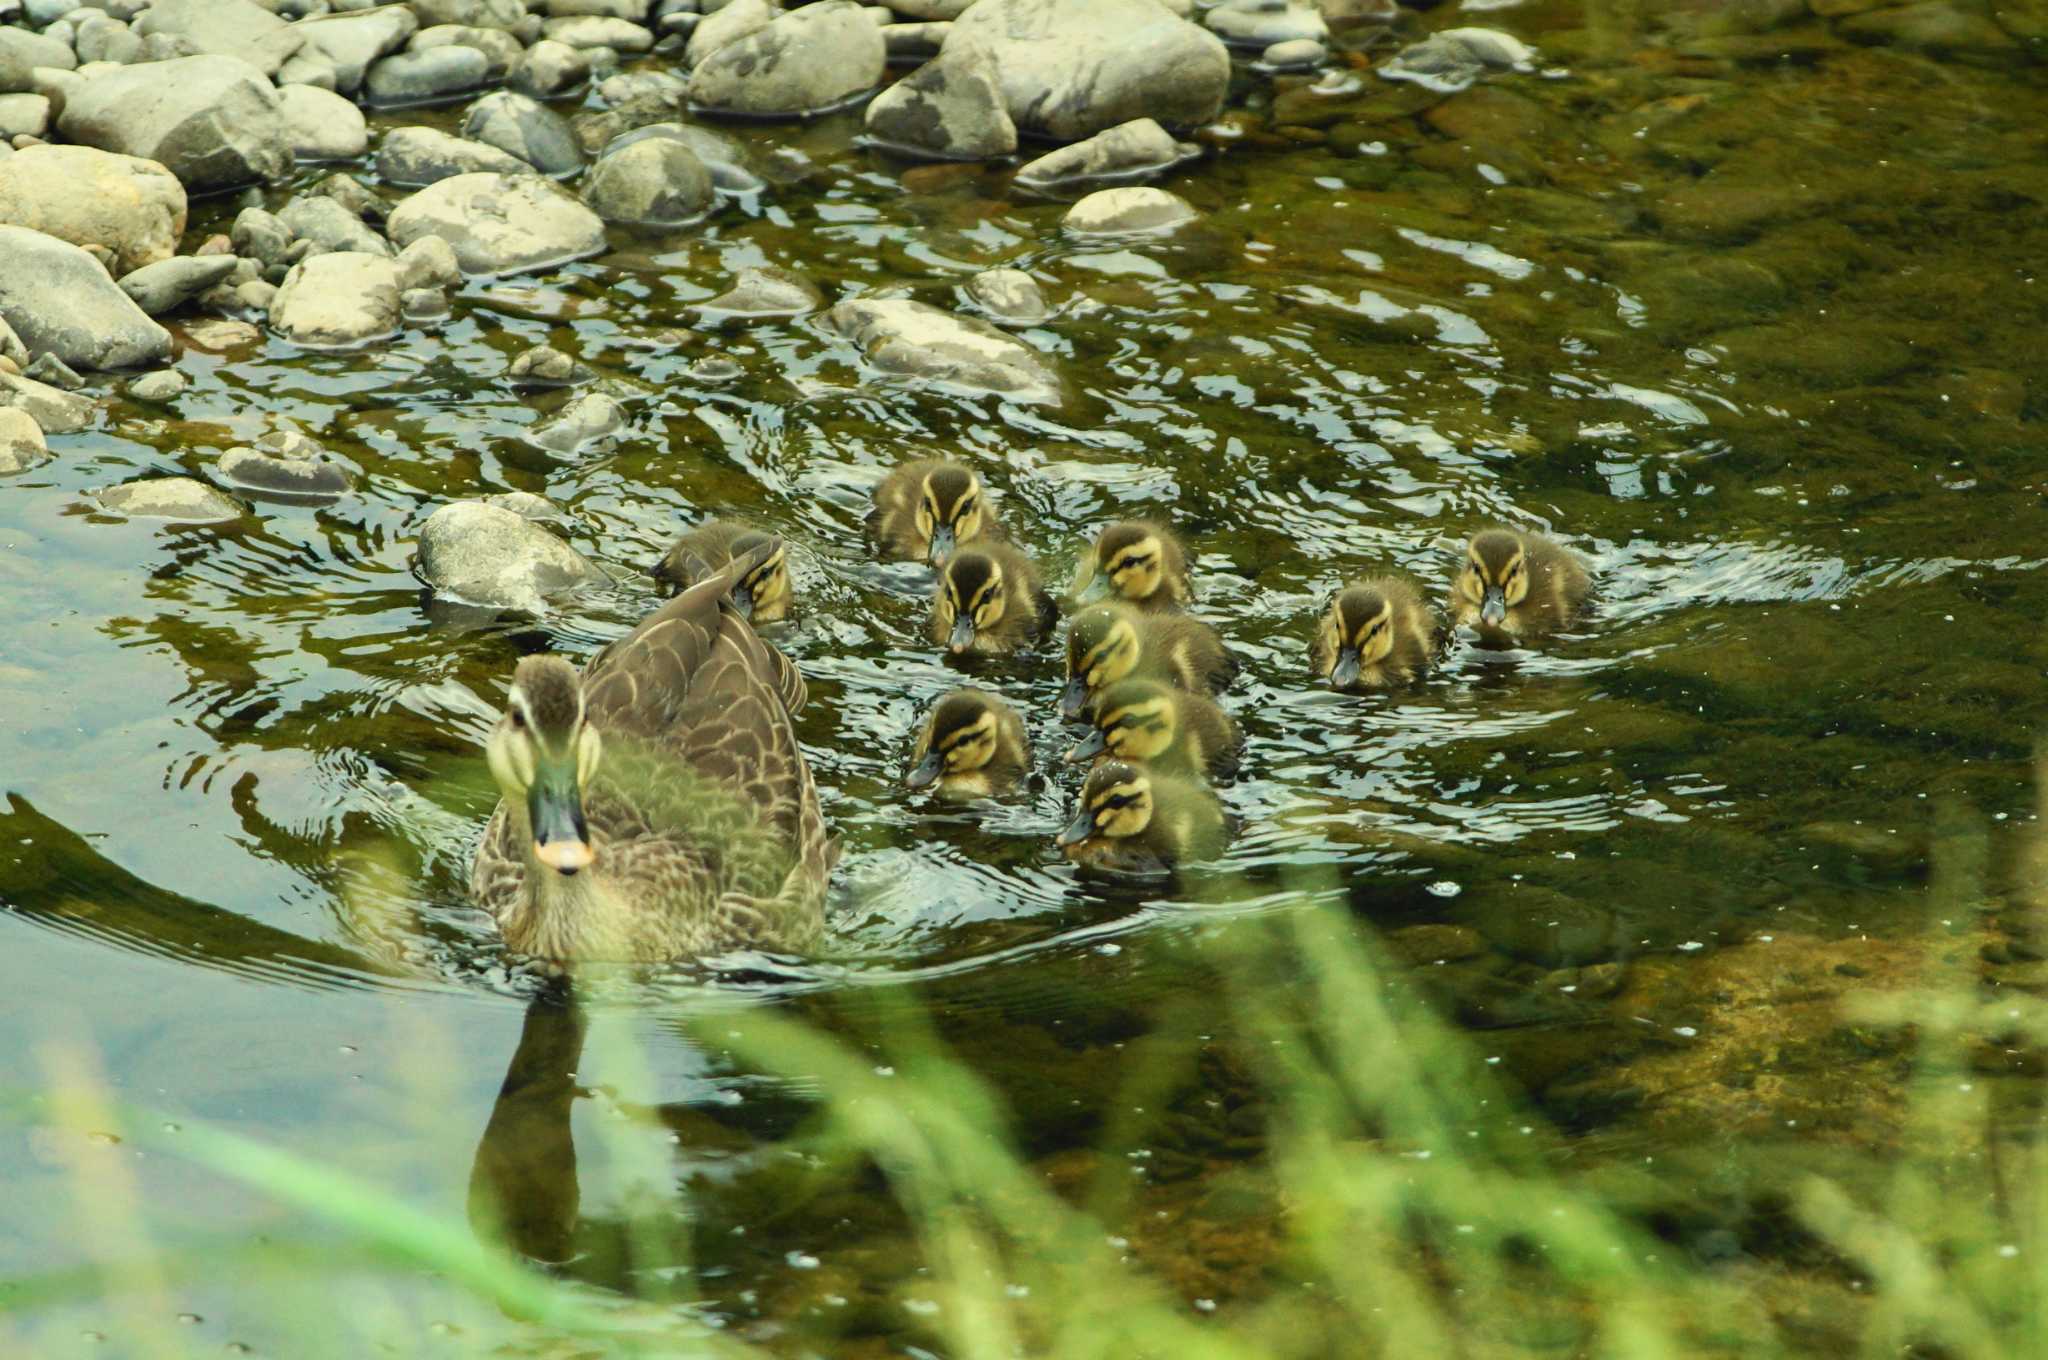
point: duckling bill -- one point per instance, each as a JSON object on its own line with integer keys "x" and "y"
{"x": 972, "y": 745}
{"x": 1376, "y": 634}
{"x": 762, "y": 592}
{"x": 1516, "y": 586}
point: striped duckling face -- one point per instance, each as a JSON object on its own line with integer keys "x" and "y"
{"x": 1135, "y": 720}
{"x": 971, "y": 598}
{"x": 1132, "y": 558}
{"x": 951, "y": 510}
{"x": 1116, "y": 804}
{"x": 1358, "y": 633}
{"x": 1496, "y": 574}
{"x": 1102, "y": 648}
{"x": 543, "y": 754}
{"x": 961, "y": 738}
{"x": 764, "y": 593}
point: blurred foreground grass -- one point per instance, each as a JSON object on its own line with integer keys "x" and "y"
{"x": 1404, "y": 1200}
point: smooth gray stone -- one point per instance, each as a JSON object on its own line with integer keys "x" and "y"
{"x": 524, "y": 127}
{"x": 1259, "y": 25}
{"x": 486, "y": 555}
{"x": 166, "y": 384}
{"x": 169, "y": 284}
{"x": 915, "y": 339}
{"x": 1128, "y": 151}
{"x": 417, "y": 155}
{"x": 725, "y": 158}
{"x": 589, "y": 33}
{"x": 331, "y": 227}
{"x": 182, "y": 499}
{"x": 54, "y": 409}
{"x": 727, "y": 26}
{"x": 1116, "y": 211}
{"x": 212, "y": 121}
{"x": 500, "y": 224}
{"x": 914, "y": 42}
{"x": 259, "y": 235}
{"x": 60, "y": 301}
{"x": 354, "y": 42}
{"x": 21, "y": 441}
{"x": 762, "y": 294}
{"x": 103, "y": 39}
{"x": 133, "y": 207}
{"x": 1009, "y": 296}
{"x": 808, "y": 61}
{"x": 424, "y": 77}
{"x": 1450, "y": 60}
{"x": 428, "y": 262}
{"x": 478, "y": 13}
{"x": 1074, "y": 67}
{"x": 652, "y": 183}
{"x": 48, "y": 368}
{"x": 549, "y": 70}
{"x": 336, "y": 300}
{"x": 321, "y": 125}
{"x": 266, "y": 473}
{"x": 228, "y": 28}
{"x": 20, "y": 47}
{"x": 587, "y": 421}
{"x": 951, "y": 108}
{"x": 500, "y": 48}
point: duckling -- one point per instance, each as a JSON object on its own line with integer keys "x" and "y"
{"x": 972, "y": 745}
{"x": 1133, "y": 819}
{"x": 1515, "y": 585}
{"x": 1143, "y": 563}
{"x": 1111, "y": 642}
{"x": 1376, "y": 634}
{"x": 1170, "y": 730}
{"x": 923, "y": 510}
{"x": 989, "y": 601}
{"x": 763, "y": 594}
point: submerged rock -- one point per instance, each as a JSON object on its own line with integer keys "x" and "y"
{"x": 951, "y": 107}
{"x": 500, "y": 224}
{"x": 586, "y": 421}
{"x": 287, "y": 471}
{"x": 1450, "y": 61}
{"x": 918, "y": 340}
{"x": 1072, "y": 68}
{"x": 486, "y": 555}
{"x": 21, "y": 441}
{"x": 60, "y": 301}
{"x": 1010, "y": 296}
{"x": 1128, "y": 151}
{"x": 213, "y": 121}
{"x": 338, "y": 299}
{"x": 763, "y": 293}
{"x": 805, "y": 62}
{"x": 545, "y": 366}
{"x": 184, "y": 499}
{"x": 134, "y": 207}
{"x": 1108, "y": 211}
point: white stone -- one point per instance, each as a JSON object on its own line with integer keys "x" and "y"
{"x": 336, "y": 300}
{"x": 1117, "y": 211}
{"x": 486, "y": 555}
{"x": 21, "y": 441}
{"x": 321, "y": 125}
{"x": 500, "y": 224}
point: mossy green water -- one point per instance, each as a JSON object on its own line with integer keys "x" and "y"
{"x": 1739, "y": 302}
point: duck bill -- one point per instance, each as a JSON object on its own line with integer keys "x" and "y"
{"x": 743, "y": 600}
{"x": 1345, "y": 674}
{"x": 962, "y": 636}
{"x": 1073, "y": 698}
{"x": 1076, "y": 831}
{"x": 554, "y": 806}
{"x": 1088, "y": 747}
{"x": 1494, "y": 607}
{"x": 942, "y": 545}
{"x": 926, "y": 771}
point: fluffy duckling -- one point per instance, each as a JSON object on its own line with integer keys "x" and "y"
{"x": 1170, "y": 730}
{"x": 1132, "y": 819}
{"x": 972, "y": 745}
{"x": 989, "y": 602}
{"x": 923, "y": 510}
{"x": 1515, "y": 585}
{"x": 763, "y": 594}
{"x": 1376, "y": 634}
{"x": 1112, "y": 642}
{"x": 1142, "y": 562}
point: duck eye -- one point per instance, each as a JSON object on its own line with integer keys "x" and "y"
{"x": 518, "y": 717}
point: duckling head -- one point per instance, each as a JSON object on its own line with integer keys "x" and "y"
{"x": 960, "y": 738}
{"x": 949, "y": 509}
{"x": 971, "y": 598}
{"x": 1132, "y": 559}
{"x": 543, "y": 753}
{"x": 762, "y": 591}
{"x": 1102, "y": 648}
{"x": 1115, "y": 804}
{"x": 1361, "y": 622}
{"x": 1496, "y": 574}
{"x": 1134, "y": 720}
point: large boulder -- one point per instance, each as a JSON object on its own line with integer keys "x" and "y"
{"x": 1072, "y": 68}
{"x": 338, "y": 299}
{"x": 350, "y": 43}
{"x": 500, "y": 224}
{"x": 133, "y": 207}
{"x": 807, "y": 61}
{"x": 481, "y": 554}
{"x": 213, "y": 121}
{"x": 229, "y": 28}
{"x": 60, "y": 301}
{"x": 917, "y": 340}
{"x": 952, "y": 107}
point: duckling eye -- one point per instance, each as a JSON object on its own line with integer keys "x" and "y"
{"x": 518, "y": 717}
